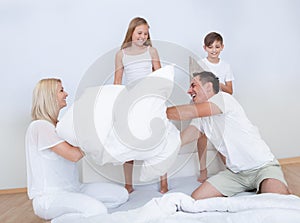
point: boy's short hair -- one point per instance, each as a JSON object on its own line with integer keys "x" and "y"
{"x": 211, "y": 37}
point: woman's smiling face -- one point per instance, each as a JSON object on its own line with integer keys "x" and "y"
{"x": 61, "y": 96}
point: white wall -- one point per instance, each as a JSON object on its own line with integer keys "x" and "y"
{"x": 63, "y": 38}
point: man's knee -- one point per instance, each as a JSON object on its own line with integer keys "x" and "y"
{"x": 271, "y": 185}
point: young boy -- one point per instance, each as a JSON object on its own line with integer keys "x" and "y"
{"x": 213, "y": 45}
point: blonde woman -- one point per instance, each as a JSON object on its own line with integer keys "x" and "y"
{"x": 52, "y": 175}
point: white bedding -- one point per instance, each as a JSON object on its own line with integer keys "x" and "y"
{"x": 176, "y": 207}
{"x": 146, "y": 204}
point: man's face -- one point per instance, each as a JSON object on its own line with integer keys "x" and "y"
{"x": 197, "y": 90}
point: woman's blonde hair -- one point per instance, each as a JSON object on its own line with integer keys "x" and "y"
{"x": 44, "y": 100}
{"x": 132, "y": 25}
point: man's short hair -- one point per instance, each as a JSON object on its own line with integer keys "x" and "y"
{"x": 206, "y": 76}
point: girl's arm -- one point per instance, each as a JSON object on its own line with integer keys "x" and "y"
{"x": 68, "y": 151}
{"x": 118, "y": 68}
{"x": 155, "y": 58}
{"x": 227, "y": 87}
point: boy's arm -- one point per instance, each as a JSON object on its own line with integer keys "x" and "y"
{"x": 202, "y": 154}
{"x": 227, "y": 87}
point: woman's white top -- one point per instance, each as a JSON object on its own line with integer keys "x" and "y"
{"x": 47, "y": 172}
{"x": 136, "y": 66}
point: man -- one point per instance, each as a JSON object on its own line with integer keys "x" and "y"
{"x": 249, "y": 161}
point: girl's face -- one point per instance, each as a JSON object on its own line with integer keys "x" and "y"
{"x": 140, "y": 35}
{"x": 61, "y": 96}
{"x": 214, "y": 50}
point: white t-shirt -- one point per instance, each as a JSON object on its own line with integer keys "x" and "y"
{"x": 136, "y": 66}
{"x": 47, "y": 172}
{"x": 234, "y": 136}
{"x": 222, "y": 70}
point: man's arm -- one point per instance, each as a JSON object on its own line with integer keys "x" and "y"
{"x": 190, "y": 111}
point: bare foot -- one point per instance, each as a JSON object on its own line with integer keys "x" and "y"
{"x": 164, "y": 190}
{"x": 163, "y": 187}
{"x": 203, "y": 176}
{"x": 129, "y": 188}
{"x": 201, "y": 179}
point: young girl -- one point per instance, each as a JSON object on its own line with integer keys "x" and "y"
{"x": 52, "y": 175}
{"x": 136, "y": 59}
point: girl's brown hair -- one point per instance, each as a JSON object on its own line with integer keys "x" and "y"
{"x": 132, "y": 25}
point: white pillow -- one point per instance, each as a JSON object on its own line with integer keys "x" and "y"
{"x": 65, "y": 127}
{"x": 115, "y": 123}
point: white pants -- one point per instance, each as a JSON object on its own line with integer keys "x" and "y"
{"x": 93, "y": 199}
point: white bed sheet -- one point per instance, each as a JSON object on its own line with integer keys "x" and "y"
{"x": 146, "y": 204}
{"x": 144, "y": 193}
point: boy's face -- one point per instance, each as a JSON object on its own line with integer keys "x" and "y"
{"x": 214, "y": 50}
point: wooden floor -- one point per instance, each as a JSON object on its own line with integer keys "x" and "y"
{"x": 16, "y": 208}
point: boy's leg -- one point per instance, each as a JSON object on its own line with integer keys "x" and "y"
{"x": 202, "y": 153}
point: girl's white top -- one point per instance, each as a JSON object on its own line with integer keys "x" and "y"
{"x": 136, "y": 66}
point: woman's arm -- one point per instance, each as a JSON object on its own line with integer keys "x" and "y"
{"x": 68, "y": 151}
{"x": 155, "y": 58}
{"x": 118, "y": 68}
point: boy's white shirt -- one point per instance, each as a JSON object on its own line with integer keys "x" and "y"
{"x": 222, "y": 70}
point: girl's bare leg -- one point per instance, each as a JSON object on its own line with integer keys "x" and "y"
{"x": 164, "y": 184}
{"x": 128, "y": 170}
